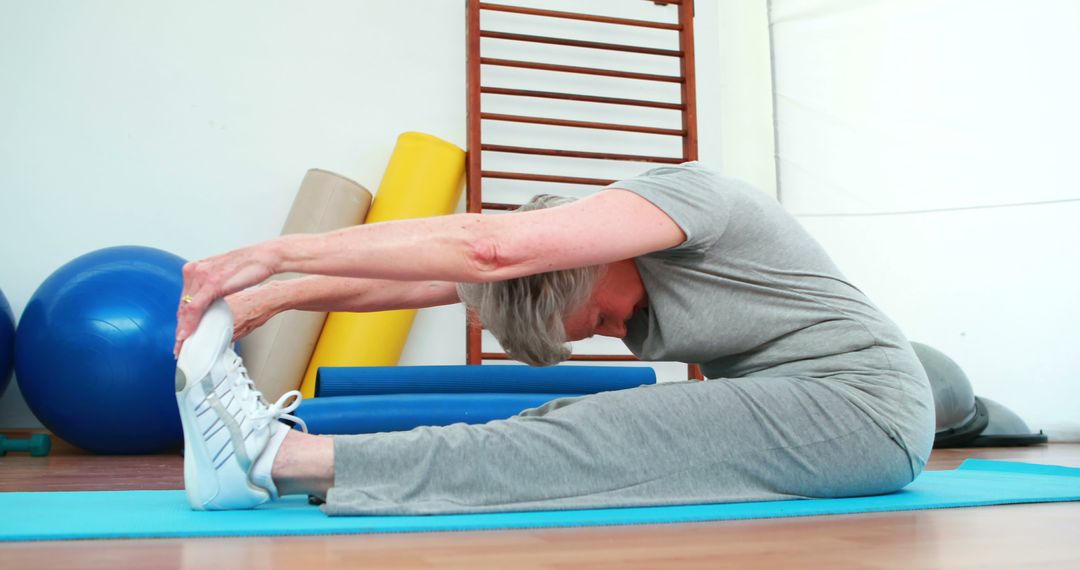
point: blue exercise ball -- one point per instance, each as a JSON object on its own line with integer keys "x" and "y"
{"x": 93, "y": 351}
{"x": 7, "y": 343}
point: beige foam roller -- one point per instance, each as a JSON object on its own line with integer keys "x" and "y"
{"x": 277, "y": 353}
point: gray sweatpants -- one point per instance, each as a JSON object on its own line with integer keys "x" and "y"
{"x": 746, "y": 439}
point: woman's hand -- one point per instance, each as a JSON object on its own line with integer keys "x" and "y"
{"x": 215, "y": 277}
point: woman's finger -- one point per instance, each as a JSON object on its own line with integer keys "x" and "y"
{"x": 196, "y": 296}
{"x": 187, "y": 318}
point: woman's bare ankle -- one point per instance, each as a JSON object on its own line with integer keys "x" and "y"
{"x": 304, "y": 465}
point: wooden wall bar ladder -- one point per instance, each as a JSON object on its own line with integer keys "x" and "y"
{"x": 476, "y": 173}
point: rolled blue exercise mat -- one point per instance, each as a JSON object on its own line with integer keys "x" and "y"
{"x": 344, "y": 415}
{"x": 503, "y": 379}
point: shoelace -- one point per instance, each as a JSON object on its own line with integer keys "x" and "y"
{"x": 252, "y": 400}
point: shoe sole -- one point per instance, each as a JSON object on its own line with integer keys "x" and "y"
{"x": 197, "y": 358}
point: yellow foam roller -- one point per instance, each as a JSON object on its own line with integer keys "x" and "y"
{"x": 424, "y": 178}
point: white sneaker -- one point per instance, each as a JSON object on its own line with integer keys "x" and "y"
{"x": 227, "y": 423}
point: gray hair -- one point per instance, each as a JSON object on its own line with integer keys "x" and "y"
{"x": 526, "y": 313}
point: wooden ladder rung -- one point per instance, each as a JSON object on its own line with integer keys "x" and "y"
{"x": 545, "y": 178}
{"x": 578, "y": 16}
{"x": 579, "y": 357}
{"x": 498, "y": 206}
{"x": 579, "y": 43}
{"x": 581, "y": 124}
{"x": 585, "y": 98}
{"x": 581, "y": 154}
{"x": 581, "y": 70}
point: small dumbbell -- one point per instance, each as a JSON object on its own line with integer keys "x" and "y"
{"x": 38, "y": 445}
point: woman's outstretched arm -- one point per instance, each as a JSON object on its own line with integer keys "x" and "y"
{"x": 608, "y": 226}
{"x": 254, "y": 306}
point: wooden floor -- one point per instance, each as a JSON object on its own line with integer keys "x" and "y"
{"x": 1015, "y": 536}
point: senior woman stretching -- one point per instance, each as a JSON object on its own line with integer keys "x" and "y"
{"x": 814, "y": 392}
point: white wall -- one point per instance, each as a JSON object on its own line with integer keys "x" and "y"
{"x": 188, "y": 125}
{"x": 745, "y": 97}
{"x": 930, "y": 145}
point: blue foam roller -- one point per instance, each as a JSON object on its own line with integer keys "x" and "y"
{"x": 403, "y": 412}
{"x": 505, "y": 379}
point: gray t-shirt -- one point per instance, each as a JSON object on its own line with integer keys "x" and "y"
{"x": 751, "y": 293}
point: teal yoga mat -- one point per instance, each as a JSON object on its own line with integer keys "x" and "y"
{"x": 146, "y": 514}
